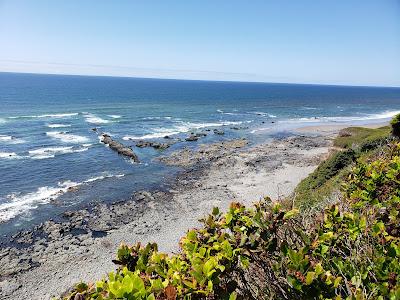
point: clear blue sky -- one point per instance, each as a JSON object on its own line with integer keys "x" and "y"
{"x": 318, "y": 41}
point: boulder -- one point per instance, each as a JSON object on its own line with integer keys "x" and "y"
{"x": 219, "y": 132}
{"x": 160, "y": 146}
{"x": 143, "y": 144}
{"x": 192, "y": 138}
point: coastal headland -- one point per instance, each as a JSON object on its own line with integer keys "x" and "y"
{"x": 43, "y": 262}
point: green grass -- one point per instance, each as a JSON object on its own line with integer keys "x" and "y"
{"x": 323, "y": 182}
{"x": 356, "y": 143}
{"x": 357, "y": 137}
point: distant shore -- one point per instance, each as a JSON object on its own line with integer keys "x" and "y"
{"x": 332, "y": 129}
{"x": 47, "y": 260}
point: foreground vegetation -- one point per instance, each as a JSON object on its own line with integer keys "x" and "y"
{"x": 353, "y": 143}
{"x": 349, "y": 250}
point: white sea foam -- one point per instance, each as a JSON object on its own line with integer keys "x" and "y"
{"x": 264, "y": 114}
{"x": 16, "y": 204}
{"x": 8, "y": 139}
{"x": 114, "y": 116}
{"x": 62, "y": 115}
{"x": 260, "y": 129}
{"x": 386, "y": 115}
{"x": 58, "y": 125}
{"x": 9, "y": 155}
{"x": 181, "y": 127}
{"x": 50, "y": 152}
{"x": 93, "y": 119}
{"x": 67, "y": 137}
{"x": 159, "y": 118}
{"x": 228, "y": 113}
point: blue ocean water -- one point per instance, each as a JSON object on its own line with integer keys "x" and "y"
{"x": 47, "y": 145}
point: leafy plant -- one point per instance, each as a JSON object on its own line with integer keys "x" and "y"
{"x": 351, "y": 250}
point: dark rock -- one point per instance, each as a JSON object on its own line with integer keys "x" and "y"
{"x": 239, "y": 128}
{"x": 155, "y": 145}
{"x": 219, "y": 132}
{"x": 160, "y": 146}
{"x": 118, "y": 147}
{"x": 200, "y": 134}
{"x": 192, "y": 138}
{"x": 143, "y": 144}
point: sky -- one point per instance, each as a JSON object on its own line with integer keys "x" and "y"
{"x": 350, "y": 42}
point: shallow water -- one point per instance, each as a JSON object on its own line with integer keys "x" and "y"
{"x": 51, "y": 160}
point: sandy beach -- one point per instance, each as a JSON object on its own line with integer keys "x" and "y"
{"x": 47, "y": 260}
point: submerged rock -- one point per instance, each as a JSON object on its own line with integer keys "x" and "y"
{"x": 155, "y": 145}
{"x": 192, "y": 138}
{"x": 118, "y": 147}
{"x": 219, "y": 132}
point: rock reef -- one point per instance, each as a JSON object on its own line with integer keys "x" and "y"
{"x": 118, "y": 147}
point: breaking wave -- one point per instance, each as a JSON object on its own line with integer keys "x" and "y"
{"x": 16, "y": 203}
{"x": 67, "y": 137}
{"x": 93, "y": 119}
{"x": 181, "y": 127}
{"x": 50, "y": 152}
{"x": 62, "y": 115}
{"x": 58, "y": 125}
{"x": 11, "y": 139}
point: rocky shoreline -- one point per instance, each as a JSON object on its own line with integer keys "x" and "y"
{"x": 46, "y": 260}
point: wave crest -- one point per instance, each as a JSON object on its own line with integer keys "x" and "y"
{"x": 17, "y": 204}
{"x": 67, "y": 137}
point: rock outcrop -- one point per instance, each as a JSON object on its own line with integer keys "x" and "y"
{"x": 118, "y": 147}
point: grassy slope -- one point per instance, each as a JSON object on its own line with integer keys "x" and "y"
{"x": 354, "y": 137}
{"x": 354, "y": 143}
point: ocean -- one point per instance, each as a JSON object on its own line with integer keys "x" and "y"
{"x": 52, "y": 161}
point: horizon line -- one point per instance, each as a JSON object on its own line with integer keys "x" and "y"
{"x": 203, "y": 80}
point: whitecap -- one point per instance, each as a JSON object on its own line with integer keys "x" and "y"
{"x": 60, "y": 115}
{"x": 17, "y": 203}
{"x": 93, "y": 119}
{"x": 158, "y": 118}
{"x": 11, "y": 139}
{"x": 58, "y": 125}
{"x": 9, "y": 155}
{"x": 114, "y": 116}
{"x": 67, "y": 137}
{"x": 49, "y": 152}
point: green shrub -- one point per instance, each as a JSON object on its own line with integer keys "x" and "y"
{"x": 323, "y": 180}
{"x": 395, "y": 123}
{"x": 350, "y": 251}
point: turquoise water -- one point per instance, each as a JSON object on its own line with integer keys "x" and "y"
{"x": 47, "y": 145}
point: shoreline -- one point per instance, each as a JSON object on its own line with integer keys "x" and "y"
{"x": 57, "y": 255}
